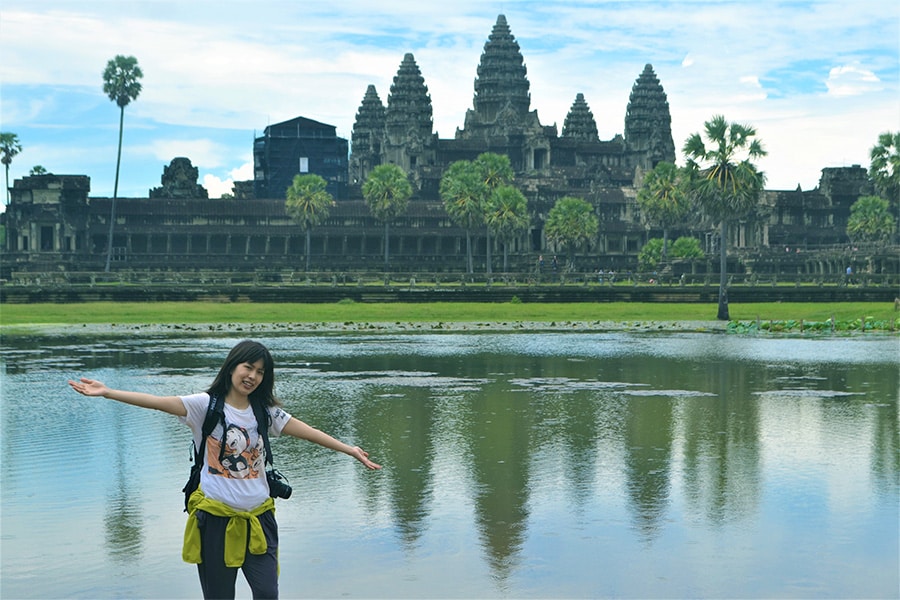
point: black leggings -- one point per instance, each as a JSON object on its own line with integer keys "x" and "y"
{"x": 260, "y": 570}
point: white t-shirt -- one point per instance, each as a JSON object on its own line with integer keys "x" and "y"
{"x": 239, "y": 478}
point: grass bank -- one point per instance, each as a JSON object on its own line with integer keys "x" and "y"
{"x": 203, "y": 312}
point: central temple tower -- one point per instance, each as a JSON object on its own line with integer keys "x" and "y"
{"x": 501, "y": 119}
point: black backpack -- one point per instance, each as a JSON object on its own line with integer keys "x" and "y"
{"x": 215, "y": 414}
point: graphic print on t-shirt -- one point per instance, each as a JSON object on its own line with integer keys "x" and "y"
{"x": 240, "y": 459}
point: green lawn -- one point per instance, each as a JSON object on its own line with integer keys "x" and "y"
{"x": 208, "y": 312}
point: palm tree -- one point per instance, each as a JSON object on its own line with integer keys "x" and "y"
{"x": 38, "y": 170}
{"x": 571, "y": 222}
{"x": 885, "y": 170}
{"x": 387, "y": 190}
{"x": 885, "y": 166}
{"x": 463, "y": 193}
{"x": 870, "y": 220}
{"x": 307, "y": 203}
{"x": 507, "y": 215}
{"x": 494, "y": 170}
{"x": 9, "y": 147}
{"x": 724, "y": 181}
{"x": 120, "y": 83}
{"x": 663, "y": 200}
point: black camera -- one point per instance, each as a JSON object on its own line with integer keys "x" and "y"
{"x": 277, "y": 487}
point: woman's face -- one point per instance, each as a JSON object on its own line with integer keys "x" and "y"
{"x": 247, "y": 376}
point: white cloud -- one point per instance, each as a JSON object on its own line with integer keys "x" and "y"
{"x": 851, "y": 80}
{"x": 751, "y": 81}
{"x": 252, "y": 65}
{"x": 217, "y": 186}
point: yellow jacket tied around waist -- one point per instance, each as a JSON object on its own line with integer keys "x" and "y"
{"x": 235, "y": 532}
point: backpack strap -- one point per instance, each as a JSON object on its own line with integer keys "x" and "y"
{"x": 262, "y": 425}
{"x": 215, "y": 413}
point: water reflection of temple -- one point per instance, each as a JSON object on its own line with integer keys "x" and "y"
{"x": 53, "y": 223}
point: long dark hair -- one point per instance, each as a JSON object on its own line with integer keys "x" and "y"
{"x": 248, "y": 351}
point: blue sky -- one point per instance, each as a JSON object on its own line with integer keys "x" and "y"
{"x": 819, "y": 80}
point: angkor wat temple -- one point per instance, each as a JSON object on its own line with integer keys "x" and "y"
{"x": 52, "y": 223}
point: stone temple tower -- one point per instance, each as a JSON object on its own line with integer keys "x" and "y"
{"x": 501, "y": 119}
{"x": 502, "y": 99}
{"x": 648, "y": 124}
{"x": 580, "y": 123}
{"x": 409, "y": 141}
{"x": 367, "y": 137}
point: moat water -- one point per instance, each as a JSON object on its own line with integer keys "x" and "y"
{"x": 516, "y": 465}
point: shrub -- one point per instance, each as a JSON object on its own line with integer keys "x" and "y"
{"x": 686, "y": 247}
{"x": 650, "y": 255}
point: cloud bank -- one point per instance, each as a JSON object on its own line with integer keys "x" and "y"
{"x": 819, "y": 80}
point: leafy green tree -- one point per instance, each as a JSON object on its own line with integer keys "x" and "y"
{"x": 654, "y": 252}
{"x": 494, "y": 170}
{"x": 687, "y": 247}
{"x": 37, "y": 170}
{"x": 885, "y": 166}
{"x": 572, "y": 223}
{"x": 870, "y": 220}
{"x": 651, "y": 254}
{"x": 9, "y": 147}
{"x": 121, "y": 82}
{"x": 308, "y": 204}
{"x": 387, "y": 191}
{"x": 463, "y": 192}
{"x": 507, "y": 215}
{"x": 663, "y": 199}
{"x": 722, "y": 178}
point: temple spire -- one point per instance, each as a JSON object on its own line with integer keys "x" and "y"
{"x": 501, "y": 83}
{"x": 367, "y": 136}
{"x": 580, "y": 123}
{"x": 648, "y": 124}
{"x": 409, "y": 105}
{"x": 408, "y": 118}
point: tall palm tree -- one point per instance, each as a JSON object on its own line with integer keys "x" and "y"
{"x": 9, "y": 147}
{"x": 494, "y": 170}
{"x": 885, "y": 166}
{"x": 870, "y": 220}
{"x": 724, "y": 181}
{"x": 571, "y": 222}
{"x": 308, "y": 204}
{"x": 663, "y": 200}
{"x": 463, "y": 191}
{"x": 387, "y": 191}
{"x": 120, "y": 83}
{"x": 885, "y": 170}
{"x": 507, "y": 216}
